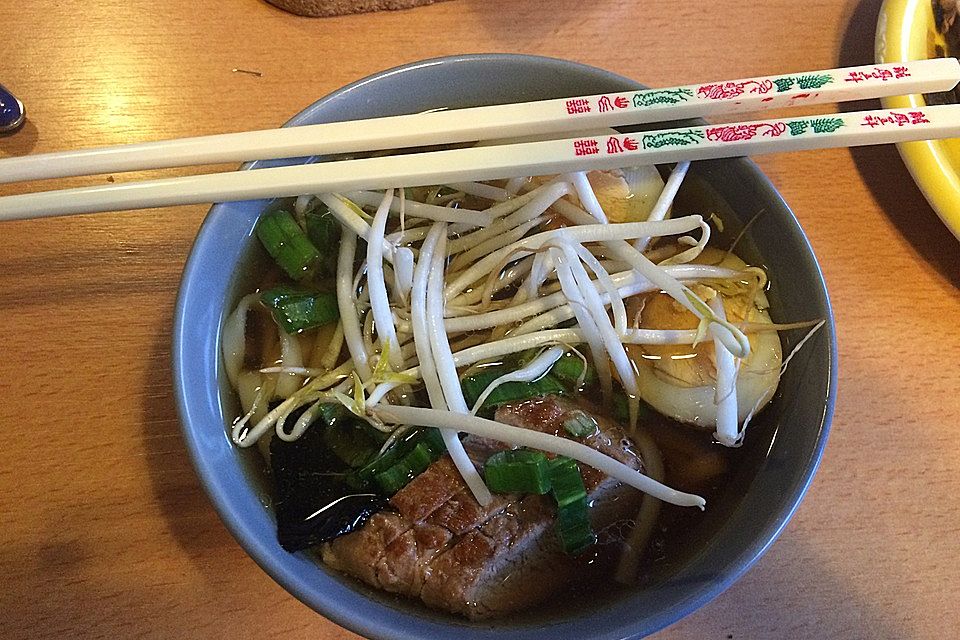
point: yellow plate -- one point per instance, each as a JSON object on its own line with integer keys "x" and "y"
{"x": 906, "y": 31}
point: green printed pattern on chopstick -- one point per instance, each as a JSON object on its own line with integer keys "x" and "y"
{"x": 785, "y": 90}
{"x": 691, "y": 137}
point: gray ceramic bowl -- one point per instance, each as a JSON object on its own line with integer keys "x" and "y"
{"x": 787, "y": 440}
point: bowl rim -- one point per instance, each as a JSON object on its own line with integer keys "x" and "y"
{"x": 379, "y": 624}
{"x": 901, "y": 36}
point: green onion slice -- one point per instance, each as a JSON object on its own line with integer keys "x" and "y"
{"x": 398, "y": 465}
{"x": 580, "y": 424}
{"x": 528, "y": 471}
{"x": 406, "y": 469}
{"x": 573, "y": 527}
{"x": 296, "y": 309}
{"x": 566, "y": 481}
{"x": 573, "y": 518}
{"x": 475, "y": 385}
{"x": 517, "y": 471}
{"x": 287, "y": 243}
{"x": 574, "y": 372}
{"x": 352, "y": 440}
{"x": 323, "y": 230}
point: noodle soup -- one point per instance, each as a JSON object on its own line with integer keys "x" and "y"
{"x": 542, "y": 351}
{"x": 762, "y": 489}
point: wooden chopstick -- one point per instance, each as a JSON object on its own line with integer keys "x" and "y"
{"x": 574, "y": 114}
{"x": 505, "y": 161}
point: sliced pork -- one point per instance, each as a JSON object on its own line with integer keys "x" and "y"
{"x": 441, "y": 546}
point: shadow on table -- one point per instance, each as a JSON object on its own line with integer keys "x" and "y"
{"x": 884, "y": 172}
{"x": 190, "y": 517}
{"x": 230, "y": 579}
{"x": 793, "y": 592}
{"x": 195, "y": 582}
{"x": 20, "y": 142}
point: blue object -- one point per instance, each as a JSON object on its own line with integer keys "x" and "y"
{"x": 11, "y": 111}
{"x": 787, "y": 438}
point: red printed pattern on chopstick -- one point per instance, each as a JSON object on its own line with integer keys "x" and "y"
{"x": 612, "y": 145}
{"x": 769, "y": 87}
{"x": 895, "y": 118}
{"x": 878, "y": 73}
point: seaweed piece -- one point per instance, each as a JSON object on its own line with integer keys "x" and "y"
{"x": 313, "y": 502}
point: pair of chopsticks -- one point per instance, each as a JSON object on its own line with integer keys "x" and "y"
{"x": 546, "y": 117}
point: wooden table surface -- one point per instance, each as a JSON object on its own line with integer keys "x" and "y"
{"x": 104, "y": 529}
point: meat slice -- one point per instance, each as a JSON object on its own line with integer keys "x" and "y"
{"x": 443, "y": 547}
{"x": 429, "y": 491}
{"x": 361, "y": 552}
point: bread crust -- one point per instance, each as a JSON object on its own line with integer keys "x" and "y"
{"x": 327, "y": 8}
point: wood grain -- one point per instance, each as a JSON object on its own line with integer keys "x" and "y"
{"x": 104, "y": 530}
